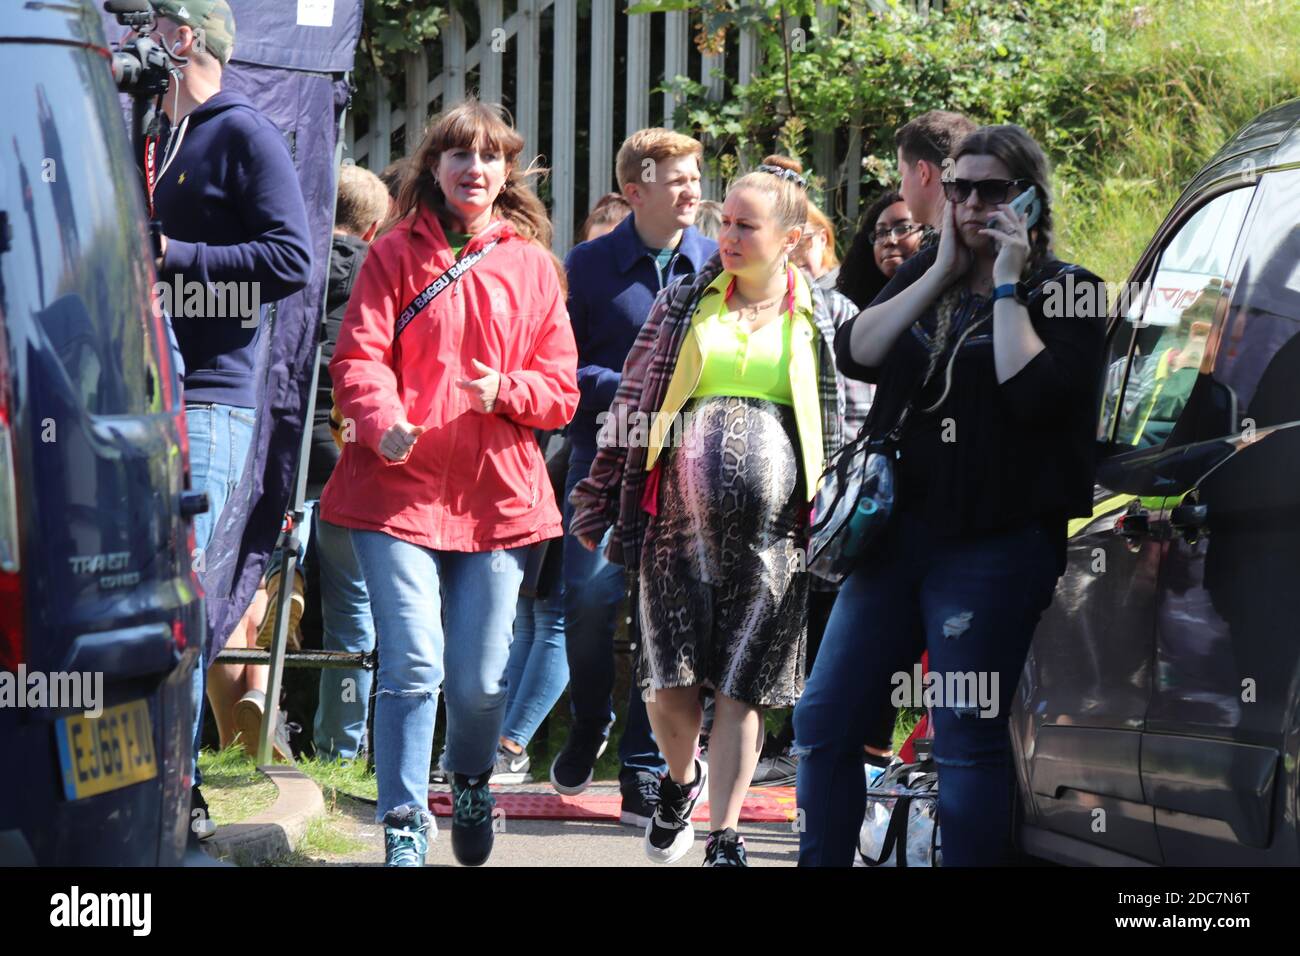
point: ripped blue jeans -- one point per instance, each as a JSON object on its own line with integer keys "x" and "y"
{"x": 441, "y": 617}
{"x": 973, "y": 603}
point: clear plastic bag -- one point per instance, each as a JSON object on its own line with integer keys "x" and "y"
{"x": 901, "y": 823}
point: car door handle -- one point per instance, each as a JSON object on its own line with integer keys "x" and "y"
{"x": 194, "y": 503}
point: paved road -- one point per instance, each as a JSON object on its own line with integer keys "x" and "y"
{"x": 567, "y": 842}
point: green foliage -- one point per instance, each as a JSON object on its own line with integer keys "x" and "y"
{"x": 390, "y": 29}
{"x": 1127, "y": 98}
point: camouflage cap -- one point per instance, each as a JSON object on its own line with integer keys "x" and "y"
{"x": 210, "y": 19}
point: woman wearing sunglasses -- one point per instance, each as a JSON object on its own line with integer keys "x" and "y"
{"x": 995, "y": 455}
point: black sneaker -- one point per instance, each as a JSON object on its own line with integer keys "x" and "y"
{"x": 640, "y": 797}
{"x": 669, "y": 834}
{"x": 574, "y": 766}
{"x": 471, "y": 819}
{"x": 725, "y": 848}
{"x": 778, "y": 770}
{"x": 511, "y": 767}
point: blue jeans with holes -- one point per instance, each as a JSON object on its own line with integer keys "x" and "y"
{"x": 593, "y": 594}
{"x": 440, "y": 616}
{"x": 348, "y": 625}
{"x": 219, "y": 436}
{"x": 973, "y": 603}
{"x": 538, "y": 669}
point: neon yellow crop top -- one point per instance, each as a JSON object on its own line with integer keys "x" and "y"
{"x": 750, "y": 365}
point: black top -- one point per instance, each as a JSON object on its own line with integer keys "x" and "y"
{"x": 994, "y": 457}
{"x": 346, "y": 255}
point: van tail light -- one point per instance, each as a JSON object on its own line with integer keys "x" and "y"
{"x": 12, "y": 650}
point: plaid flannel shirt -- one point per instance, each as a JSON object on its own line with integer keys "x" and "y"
{"x": 612, "y": 491}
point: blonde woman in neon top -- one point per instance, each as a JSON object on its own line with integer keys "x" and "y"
{"x": 728, "y": 408}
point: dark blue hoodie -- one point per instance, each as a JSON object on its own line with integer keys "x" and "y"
{"x": 232, "y": 212}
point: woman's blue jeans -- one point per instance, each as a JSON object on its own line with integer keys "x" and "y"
{"x": 973, "y": 603}
{"x": 538, "y": 669}
{"x": 440, "y": 617}
{"x": 347, "y": 624}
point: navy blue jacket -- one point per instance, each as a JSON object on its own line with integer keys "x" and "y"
{"x": 612, "y": 284}
{"x": 232, "y": 211}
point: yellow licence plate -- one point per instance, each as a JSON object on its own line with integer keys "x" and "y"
{"x": 107, "y": 752}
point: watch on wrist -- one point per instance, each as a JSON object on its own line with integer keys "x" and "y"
{"x": 1012, "y": 290}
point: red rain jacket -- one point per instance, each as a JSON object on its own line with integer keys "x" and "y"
{"x": 473, "y": 481}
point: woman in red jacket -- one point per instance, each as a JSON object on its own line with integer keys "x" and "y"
{"x": 455, "y": 346}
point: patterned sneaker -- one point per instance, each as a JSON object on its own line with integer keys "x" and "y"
{"x": 471, "y": 819}
{"x": 511, "y": 767}
{"x": 640, "y": 792}
{"x": 406, "y": 837}
{"x": 669, "y": 834}
{"x": 725, "y": 848}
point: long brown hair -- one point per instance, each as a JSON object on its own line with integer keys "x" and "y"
{"x": 1024, "y": 159}
{"x": 475, "y": 125}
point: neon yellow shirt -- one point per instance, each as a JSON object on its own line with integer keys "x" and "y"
{"x": 746, "y": 364}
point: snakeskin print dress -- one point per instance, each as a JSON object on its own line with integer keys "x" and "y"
{"x": 723, "y": 593}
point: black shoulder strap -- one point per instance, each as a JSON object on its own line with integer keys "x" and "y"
{"x": 434, "y": 288}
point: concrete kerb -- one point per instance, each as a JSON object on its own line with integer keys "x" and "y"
{"x": 275, "y": 832}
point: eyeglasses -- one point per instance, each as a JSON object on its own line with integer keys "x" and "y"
{"x": 991, "y": 191}
{"x": 899, "y": 230}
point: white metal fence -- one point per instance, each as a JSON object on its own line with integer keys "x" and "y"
{"x": 504, "y": 64}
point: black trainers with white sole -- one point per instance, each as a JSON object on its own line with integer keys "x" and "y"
{"x": 725, "y": 848}
{"x": 575, "y": 765}
{"x": 669, "y": 834}
{"x": 640, "y": 792}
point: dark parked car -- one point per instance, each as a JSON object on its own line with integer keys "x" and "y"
{"x": 1158, "y": 716}
{"x": 95, "y": 572}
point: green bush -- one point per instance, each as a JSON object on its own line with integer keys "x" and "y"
{"x": 1128, "y": 99}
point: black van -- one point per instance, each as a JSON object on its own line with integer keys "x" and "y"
{"x": 95, "y": 575}
{"x": 1158, "y": 716}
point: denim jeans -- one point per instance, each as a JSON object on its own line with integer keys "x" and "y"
{"x": 593, "y": 595}
{"x": 538, "y": 669}
{"x": 340, "y": 727}
{"x": 973, "y": 602}
{"x": 438, "y": 615}
{"x": 219, "y": 436}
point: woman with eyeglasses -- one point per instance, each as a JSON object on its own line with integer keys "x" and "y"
{"x": 815, "y": 252}
{"x": 888, "y": 237}
{"x": 995, "y": 455}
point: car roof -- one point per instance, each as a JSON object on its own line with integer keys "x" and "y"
{"x": 1271, "y": 139}
{"x": 77, "y": 22}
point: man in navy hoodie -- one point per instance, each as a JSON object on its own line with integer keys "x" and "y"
{"x": 235, "y": 238}
{"x": 613, "y": 282}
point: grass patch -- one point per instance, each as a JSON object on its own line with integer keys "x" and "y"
{"x": 233, "y": 786}
{"x": 1167, "y": 94}
{"x": 328, "y": 836}
{"x": 348, "y": 777}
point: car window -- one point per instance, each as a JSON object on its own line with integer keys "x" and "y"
{"x": 75, "y": 271}
{"x": 1258, "y": 355}
{"x": 1171, "y": 319}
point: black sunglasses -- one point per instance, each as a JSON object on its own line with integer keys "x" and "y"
{"x": 991, "y": 191}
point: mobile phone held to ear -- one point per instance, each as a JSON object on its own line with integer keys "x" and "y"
{"x": 1026, "y": 201}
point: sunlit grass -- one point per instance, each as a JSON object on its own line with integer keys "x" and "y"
{"x": 233, "y": 786}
